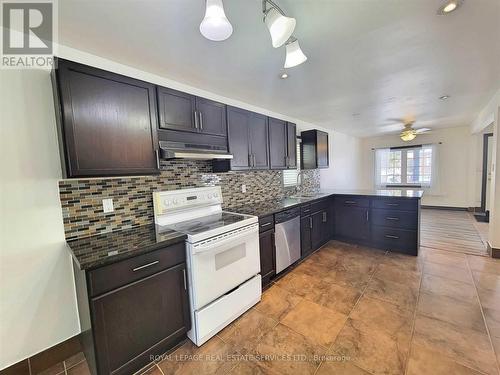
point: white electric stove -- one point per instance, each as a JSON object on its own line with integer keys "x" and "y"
{"x": 223, "y": 258}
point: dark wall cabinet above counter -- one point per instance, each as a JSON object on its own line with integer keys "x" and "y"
{"x": 185, "y": 112}
{"x": 112, "y": 125}
{"x": 106, "y": 122}
{"x": 314, "y": 149}
{"x": 282, "y": 144}
{"x": 248, "y": 138}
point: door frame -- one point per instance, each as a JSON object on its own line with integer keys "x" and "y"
{"x": 484, "y": 178}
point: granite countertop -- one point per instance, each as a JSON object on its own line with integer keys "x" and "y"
{"x": 103, "y": 249}
{"x": 266, "y": 208}
{"x": 397, "y": 193}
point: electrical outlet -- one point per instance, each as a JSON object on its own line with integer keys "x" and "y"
{"x": 243, "y": 188}
{"x": 107, "y": 205}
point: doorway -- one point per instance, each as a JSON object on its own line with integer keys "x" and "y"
{"x": 484, "y": 214}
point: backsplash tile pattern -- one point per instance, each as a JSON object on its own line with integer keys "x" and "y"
{"x": 81, "y": 199}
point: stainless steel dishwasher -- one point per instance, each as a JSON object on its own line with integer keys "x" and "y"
{"x": 287, "y": 238}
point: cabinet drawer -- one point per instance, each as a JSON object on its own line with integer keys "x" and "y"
{"x": 395, "y": 219}
{"x": 352, "y": 201}
{"x": 122, "y": 273}
{"x": 396, "y": 204}
{"x": 305, "y": 210}
{"x": 319, "y": 205}
{"x": 395, "y": 239}
{"x": 266, "y": 223}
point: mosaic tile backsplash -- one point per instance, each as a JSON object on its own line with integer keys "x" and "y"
{"x": 81, "y": 199}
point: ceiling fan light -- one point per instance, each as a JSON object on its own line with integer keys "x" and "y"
{"x": 294, "y": 55}
{"x": 408, "y": 135}
{"x": 280, "y": 27}
{"x": 215, "y": 26}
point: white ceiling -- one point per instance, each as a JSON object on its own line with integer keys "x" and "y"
{"x": 369, "y": 60}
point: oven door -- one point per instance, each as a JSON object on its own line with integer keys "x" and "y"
{"x": 220, "y": 264}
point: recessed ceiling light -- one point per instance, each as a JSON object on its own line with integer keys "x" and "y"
{"x": 284, "y": 75}
{"x": 444, "y": 97}
{"x": 449, "y": 6}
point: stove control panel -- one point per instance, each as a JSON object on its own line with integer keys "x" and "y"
{"x": 173, "y": 200}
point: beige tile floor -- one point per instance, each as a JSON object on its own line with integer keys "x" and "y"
{"x": 353, "y": 310}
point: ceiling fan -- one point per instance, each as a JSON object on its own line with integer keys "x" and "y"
{"x": 409, "y": 133}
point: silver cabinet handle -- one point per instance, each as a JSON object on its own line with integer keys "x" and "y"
{"x": 184, "y": 274}
{"x": 350, "y": 202}
{"x": 265, "y": 225}
{"x": 253, "y": 158}
{"x": 367, "y": 215}
{"x": 201, "y": 121}
{"x": 324, "y": 217}
{"x": 310, "y": 223}
{"x": 195, "y": 120}
{"x": 392, "y": 218}
{"x": 391, "y": 236}
{"x": 393, "y": 204}
{"x": 145, "y": 266}
{"x": 157, "y": 152}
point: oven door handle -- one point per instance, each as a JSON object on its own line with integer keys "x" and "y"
{"x": 220, "y": 246}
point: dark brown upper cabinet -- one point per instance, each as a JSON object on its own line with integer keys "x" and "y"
{"x": 185, "y": 112}
{"x": 314, "y": 149}
{"x": 282, "y": 144}
{"x": 106, "y": 122}
{"x": 291, "y": 136}
{"x": 248, "y": 139}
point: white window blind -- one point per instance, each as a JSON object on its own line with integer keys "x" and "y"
{"x": 406, "y": 166}
{"x": 290, "y": 175}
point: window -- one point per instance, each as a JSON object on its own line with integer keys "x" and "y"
{"x": 290, "y": 175}
{"x": 404, "y": 166}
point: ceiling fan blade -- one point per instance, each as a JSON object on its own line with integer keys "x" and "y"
{"x": 422, "y": 130}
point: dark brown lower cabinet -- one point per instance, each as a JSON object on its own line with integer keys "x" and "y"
{"x": 146, "y": 315}
{"x": 138, "y": 320}
{"x": 305, "y": 236}
{"x": 352, "y": 223}
{"x": 267, "y": 256}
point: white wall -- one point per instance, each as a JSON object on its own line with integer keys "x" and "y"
{"x": 456, "y": 168}
{"x": 37, "y": 301}
{"x": 345, "y": 163}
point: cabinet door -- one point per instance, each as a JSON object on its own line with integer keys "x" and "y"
{"x": 316, "y": 231}
{"x": 267, "y": 256}
{"x": 237, "y": 120}
{"x": 305, "y": 236}
{"x": 277, "y": 143}
{"x": 108, "y": 122}
{"x": 259, "y": 141}
{"x": 325, "y": 226}
{"x": 211, "y": 117}
{"x": 291, "y": 145}
{"x": 322, "y": 149}
{"x": 141, "y": 319}
{"x": 352, "y": 222}
{"x": 176, "y": 110}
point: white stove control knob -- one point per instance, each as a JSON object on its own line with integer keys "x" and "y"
{"x": 176, "y": 201}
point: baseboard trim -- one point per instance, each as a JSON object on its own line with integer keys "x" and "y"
{"x": 45, "y": 359}
{"x": 448, "y": 208}
{"x": 474, "y": 209}
{"x": 493, "y": 251}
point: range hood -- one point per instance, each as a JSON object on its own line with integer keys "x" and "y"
{"x": 182, "y": 150}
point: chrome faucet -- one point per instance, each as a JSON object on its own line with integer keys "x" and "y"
{"x": 298, "y": 185}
